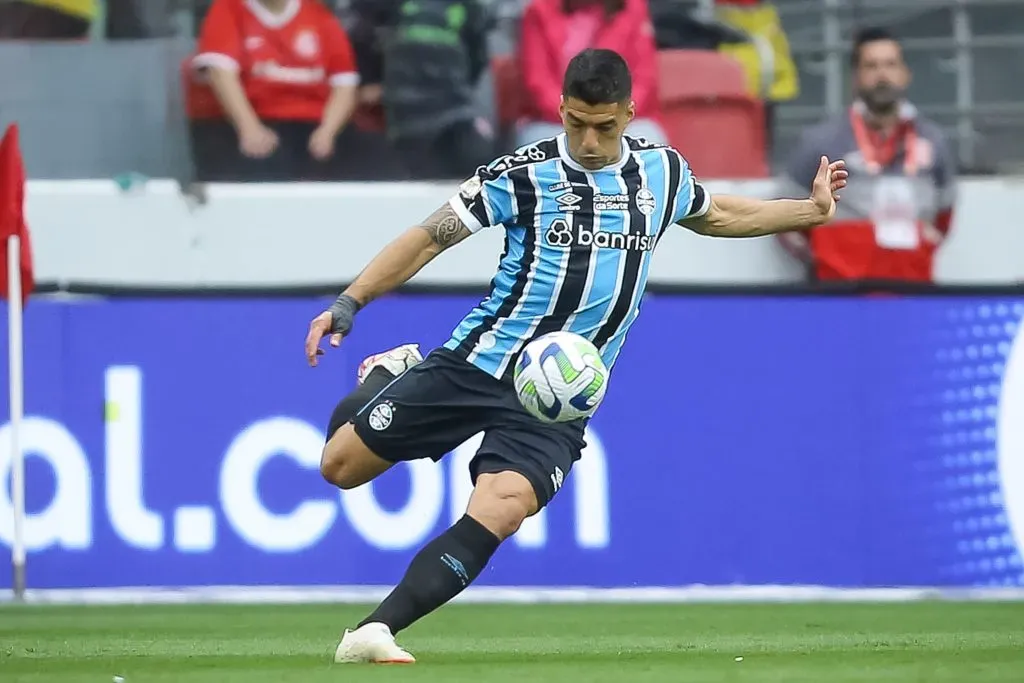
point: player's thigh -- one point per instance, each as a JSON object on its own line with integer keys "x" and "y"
{"x": 543, "y": 454}
{"x": 424, "y": 413}
{"x": 347, "y": 462}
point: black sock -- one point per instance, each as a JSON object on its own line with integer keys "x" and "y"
{"x": 437, "y": 574}
{"x": 347, "y": 408}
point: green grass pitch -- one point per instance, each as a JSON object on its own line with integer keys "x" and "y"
{"x": 931, "y": 642}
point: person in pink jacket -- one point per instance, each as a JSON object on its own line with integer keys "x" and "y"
{"x": 555, "y": 31}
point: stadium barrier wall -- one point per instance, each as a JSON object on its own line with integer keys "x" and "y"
{"x": 745, "y": 440}
{"x": 305, "y": 235}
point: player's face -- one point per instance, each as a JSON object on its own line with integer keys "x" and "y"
{"x": 882, "y": 77}
{"x": 594, "y": 132}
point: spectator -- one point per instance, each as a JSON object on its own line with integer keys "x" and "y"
{"x": 429, "y": 60}
{"x": 555, "y": 31}
{"x": 47, "y": 19}
{"x": 898, "y": 206}
{"x": 765, "y": 56}
{"x": 285, "y": 77}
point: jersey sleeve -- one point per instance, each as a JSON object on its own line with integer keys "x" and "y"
{"x": 691, "y": 199}
{"x": 485, "y": 200}
{"x": 341, "y": 60}
{"x": 220, "y": 43}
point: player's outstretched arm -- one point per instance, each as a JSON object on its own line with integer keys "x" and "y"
{"x": 407, "y": 254}
{"x": 402, "y": 258}
{"x": 730, "y": 216}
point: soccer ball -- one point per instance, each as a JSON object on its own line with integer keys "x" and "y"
{"x": 560, "y": 377}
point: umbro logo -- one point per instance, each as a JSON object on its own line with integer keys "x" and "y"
{"x": 557, "y": 477}
{"x": 569, "y": 201}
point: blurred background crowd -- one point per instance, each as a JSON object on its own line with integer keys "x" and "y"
{"x": 405, "y": 79}
{"x": 360, "y": 90}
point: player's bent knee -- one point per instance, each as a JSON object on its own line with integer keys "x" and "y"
{"x": 501, "y": 501}
{"x": 347, "y": 463}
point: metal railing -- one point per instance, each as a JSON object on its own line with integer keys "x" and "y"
{"x": 939, "y": 37}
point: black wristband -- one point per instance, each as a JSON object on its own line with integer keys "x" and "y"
{"x": 343, "y": 311}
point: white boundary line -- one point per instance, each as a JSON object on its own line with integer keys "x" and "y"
{"x": 509, "y": 595}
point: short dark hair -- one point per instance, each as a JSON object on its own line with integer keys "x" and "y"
{"x": 870, "y": 34}
{"x": 598, "y": 77}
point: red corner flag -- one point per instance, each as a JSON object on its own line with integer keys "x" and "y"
{"x": 12, "y": 213}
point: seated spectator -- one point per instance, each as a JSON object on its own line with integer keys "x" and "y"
{"x": 47, "y": 19}
{"x": 285, "y": 77}
{"x": 428, "y": 57}
{"x": 555, "y": 31}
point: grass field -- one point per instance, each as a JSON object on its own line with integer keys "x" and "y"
{"x": 931, "y": 642}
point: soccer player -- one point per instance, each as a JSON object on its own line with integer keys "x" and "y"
{"x": 582, "y": 213}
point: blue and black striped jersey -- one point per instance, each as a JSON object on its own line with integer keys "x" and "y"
{"x": 578, "y": 244}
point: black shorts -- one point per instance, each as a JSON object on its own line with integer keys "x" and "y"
{"x": 443, "y": 401}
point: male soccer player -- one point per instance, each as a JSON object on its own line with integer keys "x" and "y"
{"x": 582, "y": 213}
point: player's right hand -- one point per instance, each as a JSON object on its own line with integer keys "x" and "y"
{"x": 319, "y": 328}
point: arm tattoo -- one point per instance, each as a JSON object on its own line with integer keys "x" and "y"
{"x": 445, "y": 227}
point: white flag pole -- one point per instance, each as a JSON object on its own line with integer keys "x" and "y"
{"x": 16, "y": 361}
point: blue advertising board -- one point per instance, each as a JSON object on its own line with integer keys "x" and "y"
{"x": 743, "y": 440}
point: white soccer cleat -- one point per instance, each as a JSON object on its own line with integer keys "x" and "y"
{"x": 371, "y": 644}
{"x": 396, "y": 361}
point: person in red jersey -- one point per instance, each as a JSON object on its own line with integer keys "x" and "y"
{"x": 285, "y": 80}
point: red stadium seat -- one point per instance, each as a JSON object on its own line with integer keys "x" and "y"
{"x": 709, "y": 115}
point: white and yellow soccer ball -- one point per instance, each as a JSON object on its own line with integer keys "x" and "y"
{"x": 560, "y": 377}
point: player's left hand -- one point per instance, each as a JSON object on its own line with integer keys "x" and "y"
{"x": 830, "y": 179}
{"x": 319, "y": 328}
{"x": 321, "y": 144}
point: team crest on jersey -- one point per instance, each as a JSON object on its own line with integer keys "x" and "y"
{"x": 307, "y": 45}
{"x": 380, "y": 416}
{"x": 645, "y": 201}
